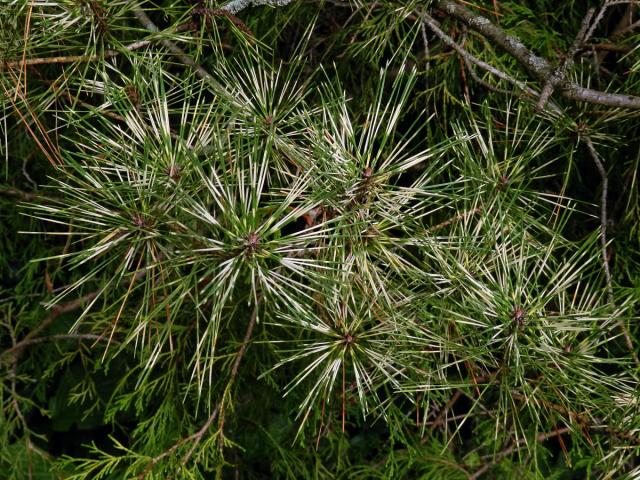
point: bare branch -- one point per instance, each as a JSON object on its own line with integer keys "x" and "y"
{"x": 560, "y": 73}
{"x": 425, "y": 42}
{"x": 52, "y": 338}
{"x": 603, "y": 213}
{"x": 468, "y": 57}
{"x": 446, "y": 223}
{"x": 25, "y": 196}
{"x": 538, "y": 67}
{"x": 58, "y": 310}
{"x": 440, "y": 419}
{"x": 207, "y": 13}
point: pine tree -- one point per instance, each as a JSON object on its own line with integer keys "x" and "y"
{"x": 319, "y": 239}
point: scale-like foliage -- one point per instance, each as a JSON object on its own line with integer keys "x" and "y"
{"x": 298, "y": 242}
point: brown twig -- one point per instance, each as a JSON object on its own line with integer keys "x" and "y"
{"x": 608, "y": 47}
{"x": 603, "y": 214}
{"x": 25, "y": 196}
{"x": 13, "y": 373}
{"x": 75, "y": 100}
{"x": 49, "y": 338}
{"x": 507, "y": 451}
{"x": 457, "y": 218}
{"x": 440, "y": 419}
{"x": 58, "y": 310}
{"x": 46, "y": 146}
{"x": 581, "y": 419}
{"x": 180, "y": 442}
{"x": 196, "y": 437}
{"x": 207, "y": 13}
{"x": 623, "y": 30}
{"x": 232, "y": 376}
{"x": 624, "y": 25}
{"x": 74, "y": 58}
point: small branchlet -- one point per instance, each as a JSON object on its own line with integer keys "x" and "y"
{"x": 363, "y": 190}
{"x": 519, "y": 317}
{"x": 197, "y": 14}
{"x": 99, "y": 14}
{"x": 132, "y": 94}
{"x": 252, "y": 244}
{"x": 174, "y": 172}
{"x": 141, "y": 221}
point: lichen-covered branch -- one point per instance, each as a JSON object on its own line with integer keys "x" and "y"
{"x": 236, "y": 5}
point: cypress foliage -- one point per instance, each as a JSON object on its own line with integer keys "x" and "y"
{"x": 319, "y": 239}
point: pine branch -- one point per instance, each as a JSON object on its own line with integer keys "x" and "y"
{"x": 402, "y": 265}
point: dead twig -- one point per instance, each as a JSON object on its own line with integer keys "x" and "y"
{"x": 457, "y": 218}
{"x": 25, "y": 196}
{"x": 582, "y": 420}
{"x": 440, "y": 419}
{"x": 603, "y": 241}
{"x": 58, "y": 310}
{"x": 52, "y": 338}
{"x": 207, "y": 13}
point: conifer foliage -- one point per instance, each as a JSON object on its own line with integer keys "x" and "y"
{"x": 319, "y": 239}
